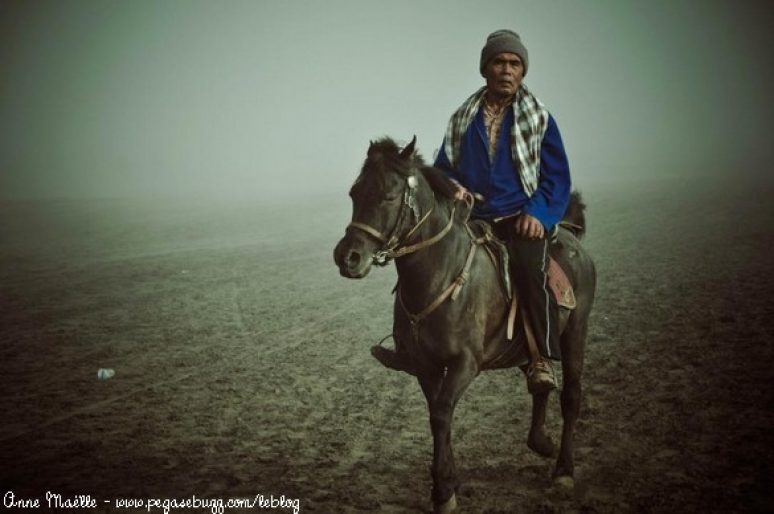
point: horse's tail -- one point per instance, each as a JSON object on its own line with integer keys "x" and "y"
{"x": 575, "y": 217}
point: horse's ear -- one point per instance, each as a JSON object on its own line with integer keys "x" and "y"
{"x": 406, "y": 152}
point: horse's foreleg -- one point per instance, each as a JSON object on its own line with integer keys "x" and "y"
{"x": 430, "y": 382}
{"x": 538, "y": 441}
{"x": 573, "y": 342}
{"x": 460, "y": 373}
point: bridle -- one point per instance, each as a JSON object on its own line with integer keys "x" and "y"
{"x": 393, "y": 245}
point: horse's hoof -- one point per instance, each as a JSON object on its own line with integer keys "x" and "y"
{"x": 564, "y": 482}
{"x": 446, "y": 507}
{"x": 542, "y": 445}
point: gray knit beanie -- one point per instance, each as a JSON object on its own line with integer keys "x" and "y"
{"x": 503, "y": 41}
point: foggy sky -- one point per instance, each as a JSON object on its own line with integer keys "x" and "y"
{"x": 270, "y": 98}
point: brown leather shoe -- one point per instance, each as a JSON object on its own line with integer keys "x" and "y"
{"x": 541, "y": 377}
{"x": 391, "y": 359}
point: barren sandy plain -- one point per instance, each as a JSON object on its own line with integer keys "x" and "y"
{"x": 242, "y": 366}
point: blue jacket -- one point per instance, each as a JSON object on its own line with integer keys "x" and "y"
{"x": 499, "y": 181}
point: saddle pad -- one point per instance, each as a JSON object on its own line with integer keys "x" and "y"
{"x": 561, "y": 288}
{"x": 560, "y": 285}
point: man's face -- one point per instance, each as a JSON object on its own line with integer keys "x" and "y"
{"x": 504, "y": 73}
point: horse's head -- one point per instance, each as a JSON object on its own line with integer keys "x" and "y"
{"x": 384, "y": 207}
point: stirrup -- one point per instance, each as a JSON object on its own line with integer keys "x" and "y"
{"x": 541, "y": 377}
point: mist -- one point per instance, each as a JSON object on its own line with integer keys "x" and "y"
{"x": 276, "y": 100}
{"x": 173, "y": 179}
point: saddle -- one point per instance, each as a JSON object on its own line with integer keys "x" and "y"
{"x": 497, "y": 251}
{"x": 558, "y": 282}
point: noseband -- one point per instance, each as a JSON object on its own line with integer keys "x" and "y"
{"x": 391, "y": 244}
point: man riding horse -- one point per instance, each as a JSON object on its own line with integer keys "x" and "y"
{"x": 504, "y": 146}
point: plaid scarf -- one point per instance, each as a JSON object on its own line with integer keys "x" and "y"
{"x": 531, "y": 120}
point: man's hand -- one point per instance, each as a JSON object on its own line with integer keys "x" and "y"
{"x": 461, "y": 191}
{"x": 529, "y": 227}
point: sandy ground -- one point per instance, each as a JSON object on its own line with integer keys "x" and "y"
{"x": 242, "y": 364}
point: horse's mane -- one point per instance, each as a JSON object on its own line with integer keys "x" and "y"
{"x": 386, "y": 152}
{"x": 385, "y": 146}
{"x": 439, "y": 181}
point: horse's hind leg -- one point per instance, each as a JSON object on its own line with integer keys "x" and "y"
{"x": 573, "y": 342}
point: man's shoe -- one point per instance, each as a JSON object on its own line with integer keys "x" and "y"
{"x": 392, "y": 360}
{"x": 541, "y": 377}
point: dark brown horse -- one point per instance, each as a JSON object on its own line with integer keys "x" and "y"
{"x": 406, "y": 211}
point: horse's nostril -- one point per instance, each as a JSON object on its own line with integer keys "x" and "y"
{"x": 353, "y": 258}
